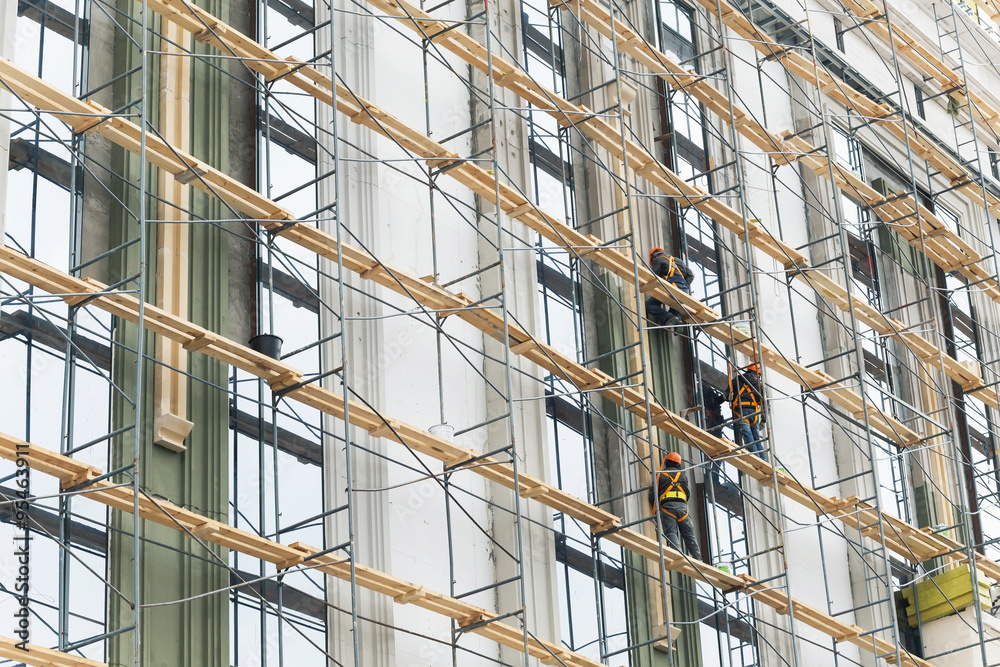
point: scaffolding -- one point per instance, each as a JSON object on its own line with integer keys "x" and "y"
{"x": 284, "y": 321}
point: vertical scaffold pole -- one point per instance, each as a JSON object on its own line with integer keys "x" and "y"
{"x": 140, "y": 336}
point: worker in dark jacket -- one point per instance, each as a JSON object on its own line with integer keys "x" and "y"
{"x": 675, "y": 272}
{"x": 672, "y": 493}
{"x": 746, "y": 398}
{"x": 712, "y": 400}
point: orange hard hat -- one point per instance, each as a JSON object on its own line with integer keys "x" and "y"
{"x": 672, "y": 457}
{"x": 755, "y": 367}
{"x": 654, "y": 251}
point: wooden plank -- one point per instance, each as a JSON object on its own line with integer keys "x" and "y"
{"x": 39, "y": 656}
{"x": 660, "y": 63}
{"x": 803, "y": 67}
{"x": 668, "y": 182}
{"x": 257, "y": 206}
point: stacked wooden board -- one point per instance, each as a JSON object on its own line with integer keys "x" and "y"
{"x": 475, "y": 619}
{"x": 909, "y": 542}
{"x": 383, "y": 274}
{"x": 941, "y": 244}
{"x": 39, "y": 656}
{"x": 878, "y": 114}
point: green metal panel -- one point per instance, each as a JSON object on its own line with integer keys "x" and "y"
{"x": 194, "y": 633}
{"x": 669, "y": 385}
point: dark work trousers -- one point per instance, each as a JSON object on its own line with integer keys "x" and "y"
{"x": 656, "y": 311}
{"x": 674, "y": 517}
{"x": 748, "y": 436}
{"x": 714, "y": 427}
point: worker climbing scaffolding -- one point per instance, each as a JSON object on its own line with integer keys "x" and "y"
{"x": 671, "y": 494}
{"x": 677, "y": 273}
{"x": 746, "y": 398}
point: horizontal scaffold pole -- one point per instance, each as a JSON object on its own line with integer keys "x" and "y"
{"x": 942, "y": 245}
{"x": 806, "y": 68}
{"x": 72, "y": 472}
{"x": 911, "y": 543}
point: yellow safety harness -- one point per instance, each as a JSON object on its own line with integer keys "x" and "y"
{"x": 679, "y": 518}
{"x": 738, "y": 402}
{"x": 673, "y": 268}
{"x": 673, "y": 490}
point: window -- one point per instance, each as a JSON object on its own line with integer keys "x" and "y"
{"x": 975, "y": 422}
{"x": 839, "y": 32}
{"x": 918, "y": 96}
{"x": 868, "y": 259}
{"x": 995, "y": 164}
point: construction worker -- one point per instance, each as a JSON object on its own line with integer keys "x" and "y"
{"x": 675, "y": 272}
{"x": 746, "y": 398}
{"x": 712, "y": 400}
{"x": 672, "y": 494}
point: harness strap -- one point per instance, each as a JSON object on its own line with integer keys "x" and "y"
{"x": 679, "y": 518}
{"x": 670, "y": 491}
{"x": 737, "y": 401}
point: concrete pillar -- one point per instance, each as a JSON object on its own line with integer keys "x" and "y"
{"x": 961, "y": 630}
{"x": 530, "y": 432}
{"x": 196, "y": 633}
{"x": 353, "y": 43}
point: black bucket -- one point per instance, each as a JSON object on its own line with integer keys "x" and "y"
{"x": 268, "y": 344}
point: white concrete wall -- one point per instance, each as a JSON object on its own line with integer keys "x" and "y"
{"x": 961, "y": 631}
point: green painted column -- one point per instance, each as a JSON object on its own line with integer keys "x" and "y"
{"x": 195, "y": 633}
{"x": 610, "y": 336}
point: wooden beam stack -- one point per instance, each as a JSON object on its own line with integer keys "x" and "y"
{"x": 73, "y": 472}
{"x": 514, "y": 204}
{"x": 941, "y": 244}
{"x": 477, "y": 179}
{"x": 281, "y": 376}
{"x": 925, "y": 147}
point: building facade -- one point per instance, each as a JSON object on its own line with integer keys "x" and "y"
{"x": 347, "y": 302}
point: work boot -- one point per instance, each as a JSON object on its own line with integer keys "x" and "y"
{"x": 672, "y": 320}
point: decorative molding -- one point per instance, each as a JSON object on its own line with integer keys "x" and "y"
{"x": 359, "y": 203}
